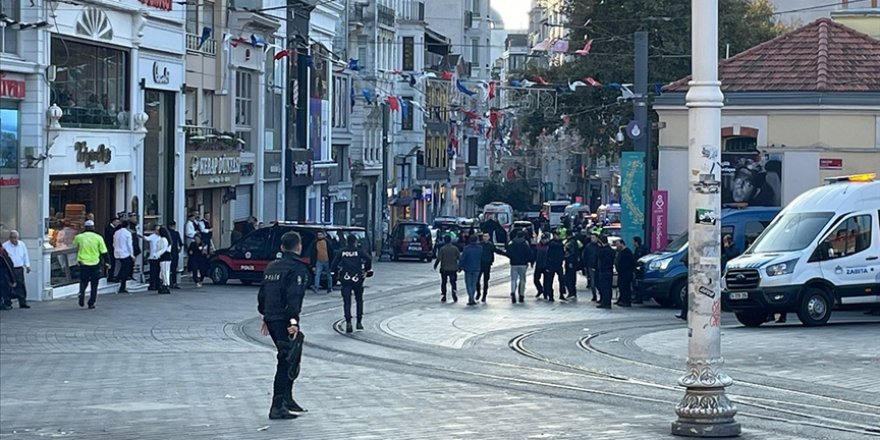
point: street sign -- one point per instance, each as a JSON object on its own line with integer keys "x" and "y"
{"x": 634, "y": 130}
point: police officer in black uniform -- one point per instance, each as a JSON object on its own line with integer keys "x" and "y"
{"x": 353, "y": 266}
{"x": 280, "y": 302}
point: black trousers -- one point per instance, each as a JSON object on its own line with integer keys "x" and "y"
{"x": 175, "y": 263}
{"x": 20, "y": 290}
{"x": 604, "y": 285}
{"x": 289, "y": 360}
{"x": 124, "y": 267}
{"x": 485, "y": 273}
{"x": 594, "y": 281}
{"x": 536, "y": 278}
{"x": 349, "y": 288}
{"x": 549, "y": 274}
{"x": 154, "y": 275}
{"x": 452, "y": 277}
{"x": 624, "y": 286}
{"x": 111, "y": 273}
{"x": 571, "y": 280}
{"x": 89, "y": 275}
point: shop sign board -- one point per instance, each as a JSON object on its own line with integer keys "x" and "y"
{"x": 208, "y": 169}
{"x": 830, "y": 164}
{"x": 272, "y": 165}
{"x": 301, "y": 171}
{"x": 160, "y": 74}
{"x": 12, "y": 86}
{"x": 90, "y": 156}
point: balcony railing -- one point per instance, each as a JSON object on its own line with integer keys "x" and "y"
{"x": 386, "y": 16}
{"x": 208, "y": 48}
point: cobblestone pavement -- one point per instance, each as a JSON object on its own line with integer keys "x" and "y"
{"x": 192, "y": 365}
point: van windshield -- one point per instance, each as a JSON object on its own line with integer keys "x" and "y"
{"x": 677, "y": 244}
{"x": 791, "y": 232}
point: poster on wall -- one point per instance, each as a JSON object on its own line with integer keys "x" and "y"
{"x": 632, "y": 195}
{"x": 751, "y": 179}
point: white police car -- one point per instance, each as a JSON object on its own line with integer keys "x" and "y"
{"x": 820, "y": 253}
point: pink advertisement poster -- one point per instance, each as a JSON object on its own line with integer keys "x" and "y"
{"x": 658, "y": 220}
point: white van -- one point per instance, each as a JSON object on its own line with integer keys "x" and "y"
{"x": 821, "y": 252}
{"x": 553, "y": 211}
{"x": 500, "y": 212}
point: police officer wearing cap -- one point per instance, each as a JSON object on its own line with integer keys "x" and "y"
{"x": 280, "y": 303}
{"x": 353, "y": 266}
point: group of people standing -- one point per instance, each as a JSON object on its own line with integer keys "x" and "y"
{"x": 555, "y": 257}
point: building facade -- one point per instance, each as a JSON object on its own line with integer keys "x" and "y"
{"x": 92, "y": 126}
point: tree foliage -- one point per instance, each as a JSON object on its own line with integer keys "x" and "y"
{"x": 596, "y": 112}
{"x": 515, "y": 193}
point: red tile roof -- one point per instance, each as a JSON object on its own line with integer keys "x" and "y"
{"x": 822, "y": 56}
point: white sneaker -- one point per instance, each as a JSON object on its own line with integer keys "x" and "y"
{"x": 199, "y": 285}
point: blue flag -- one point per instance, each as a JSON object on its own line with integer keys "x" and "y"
{"x": 206, "y": 34}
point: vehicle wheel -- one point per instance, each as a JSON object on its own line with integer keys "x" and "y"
{"x": 219, "y": 274}
{"x": 677, "y": 294}
{"x": 815, "y": 307}
{"x": 751, "y": 318}
{"x": 247, "y": 282}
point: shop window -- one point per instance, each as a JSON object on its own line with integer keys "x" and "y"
{"x": 408, "y": 118}
{"x": 9, "y": 38}
{"x": 206, "y": 110}
{"x": 91, "y": 84}
{"x": 10, "y": 126}
{"x": 191, "y": 107}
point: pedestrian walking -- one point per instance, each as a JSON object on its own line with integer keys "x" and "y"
{"x": 123, "y": 253}
{"x": 572, "y": 264}
{"x": 91, "y": 253}
{"x": 555, "y": 260}
{"x": 520, "y": 255}
{"x": 153, "y": 259}
{"x": 470, "y": 263}
{"x": 540, "y": 264}
{"x": 198, "y": 252}
{"x": 109, "y": 231}
{"x": 164, "y": 258}
{"x": 625, "y": 263}
{"x": 21, "y": 264}
{"x": 280, "y": 303}
{"x": 604, "y": 272}
{"x": 447, "y": 259}
{"x": 320, "y": 255}
{"x": 486, "y": 260}
{"x": 176, "y": 247}
{"x": 190, "y": 229}
{"x": 354, "y": 266}
{"x": 589, "y": 257}
{"x": 7, "y": 280}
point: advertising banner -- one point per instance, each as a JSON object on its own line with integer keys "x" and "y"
{"x": 632, "y": 198}
{"x": 658, "y": 220}
{"x": 751, "y": 179}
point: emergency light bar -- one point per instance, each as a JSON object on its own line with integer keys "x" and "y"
{"x": 867, "y": 177}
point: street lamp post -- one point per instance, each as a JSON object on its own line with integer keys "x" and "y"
{"x": 705, "y": 410}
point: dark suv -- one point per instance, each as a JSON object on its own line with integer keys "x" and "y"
{"x": 411, "y": 239}
{"x": 248, "y": 257}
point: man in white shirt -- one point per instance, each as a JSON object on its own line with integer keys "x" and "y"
{"x": 153, "y": 240}
{"x": 20, "y": 263}
{"x": 190, "y": 229}
{"x": 207, "y": 231}
{"x": 123, "y": 252}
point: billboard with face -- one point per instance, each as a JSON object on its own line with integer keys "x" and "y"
{"x": 751, "y": 179}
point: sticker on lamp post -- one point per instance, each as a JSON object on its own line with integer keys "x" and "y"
{"x": 705, "y": 217}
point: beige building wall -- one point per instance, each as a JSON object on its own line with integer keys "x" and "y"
{"x": 849, "y": 135}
